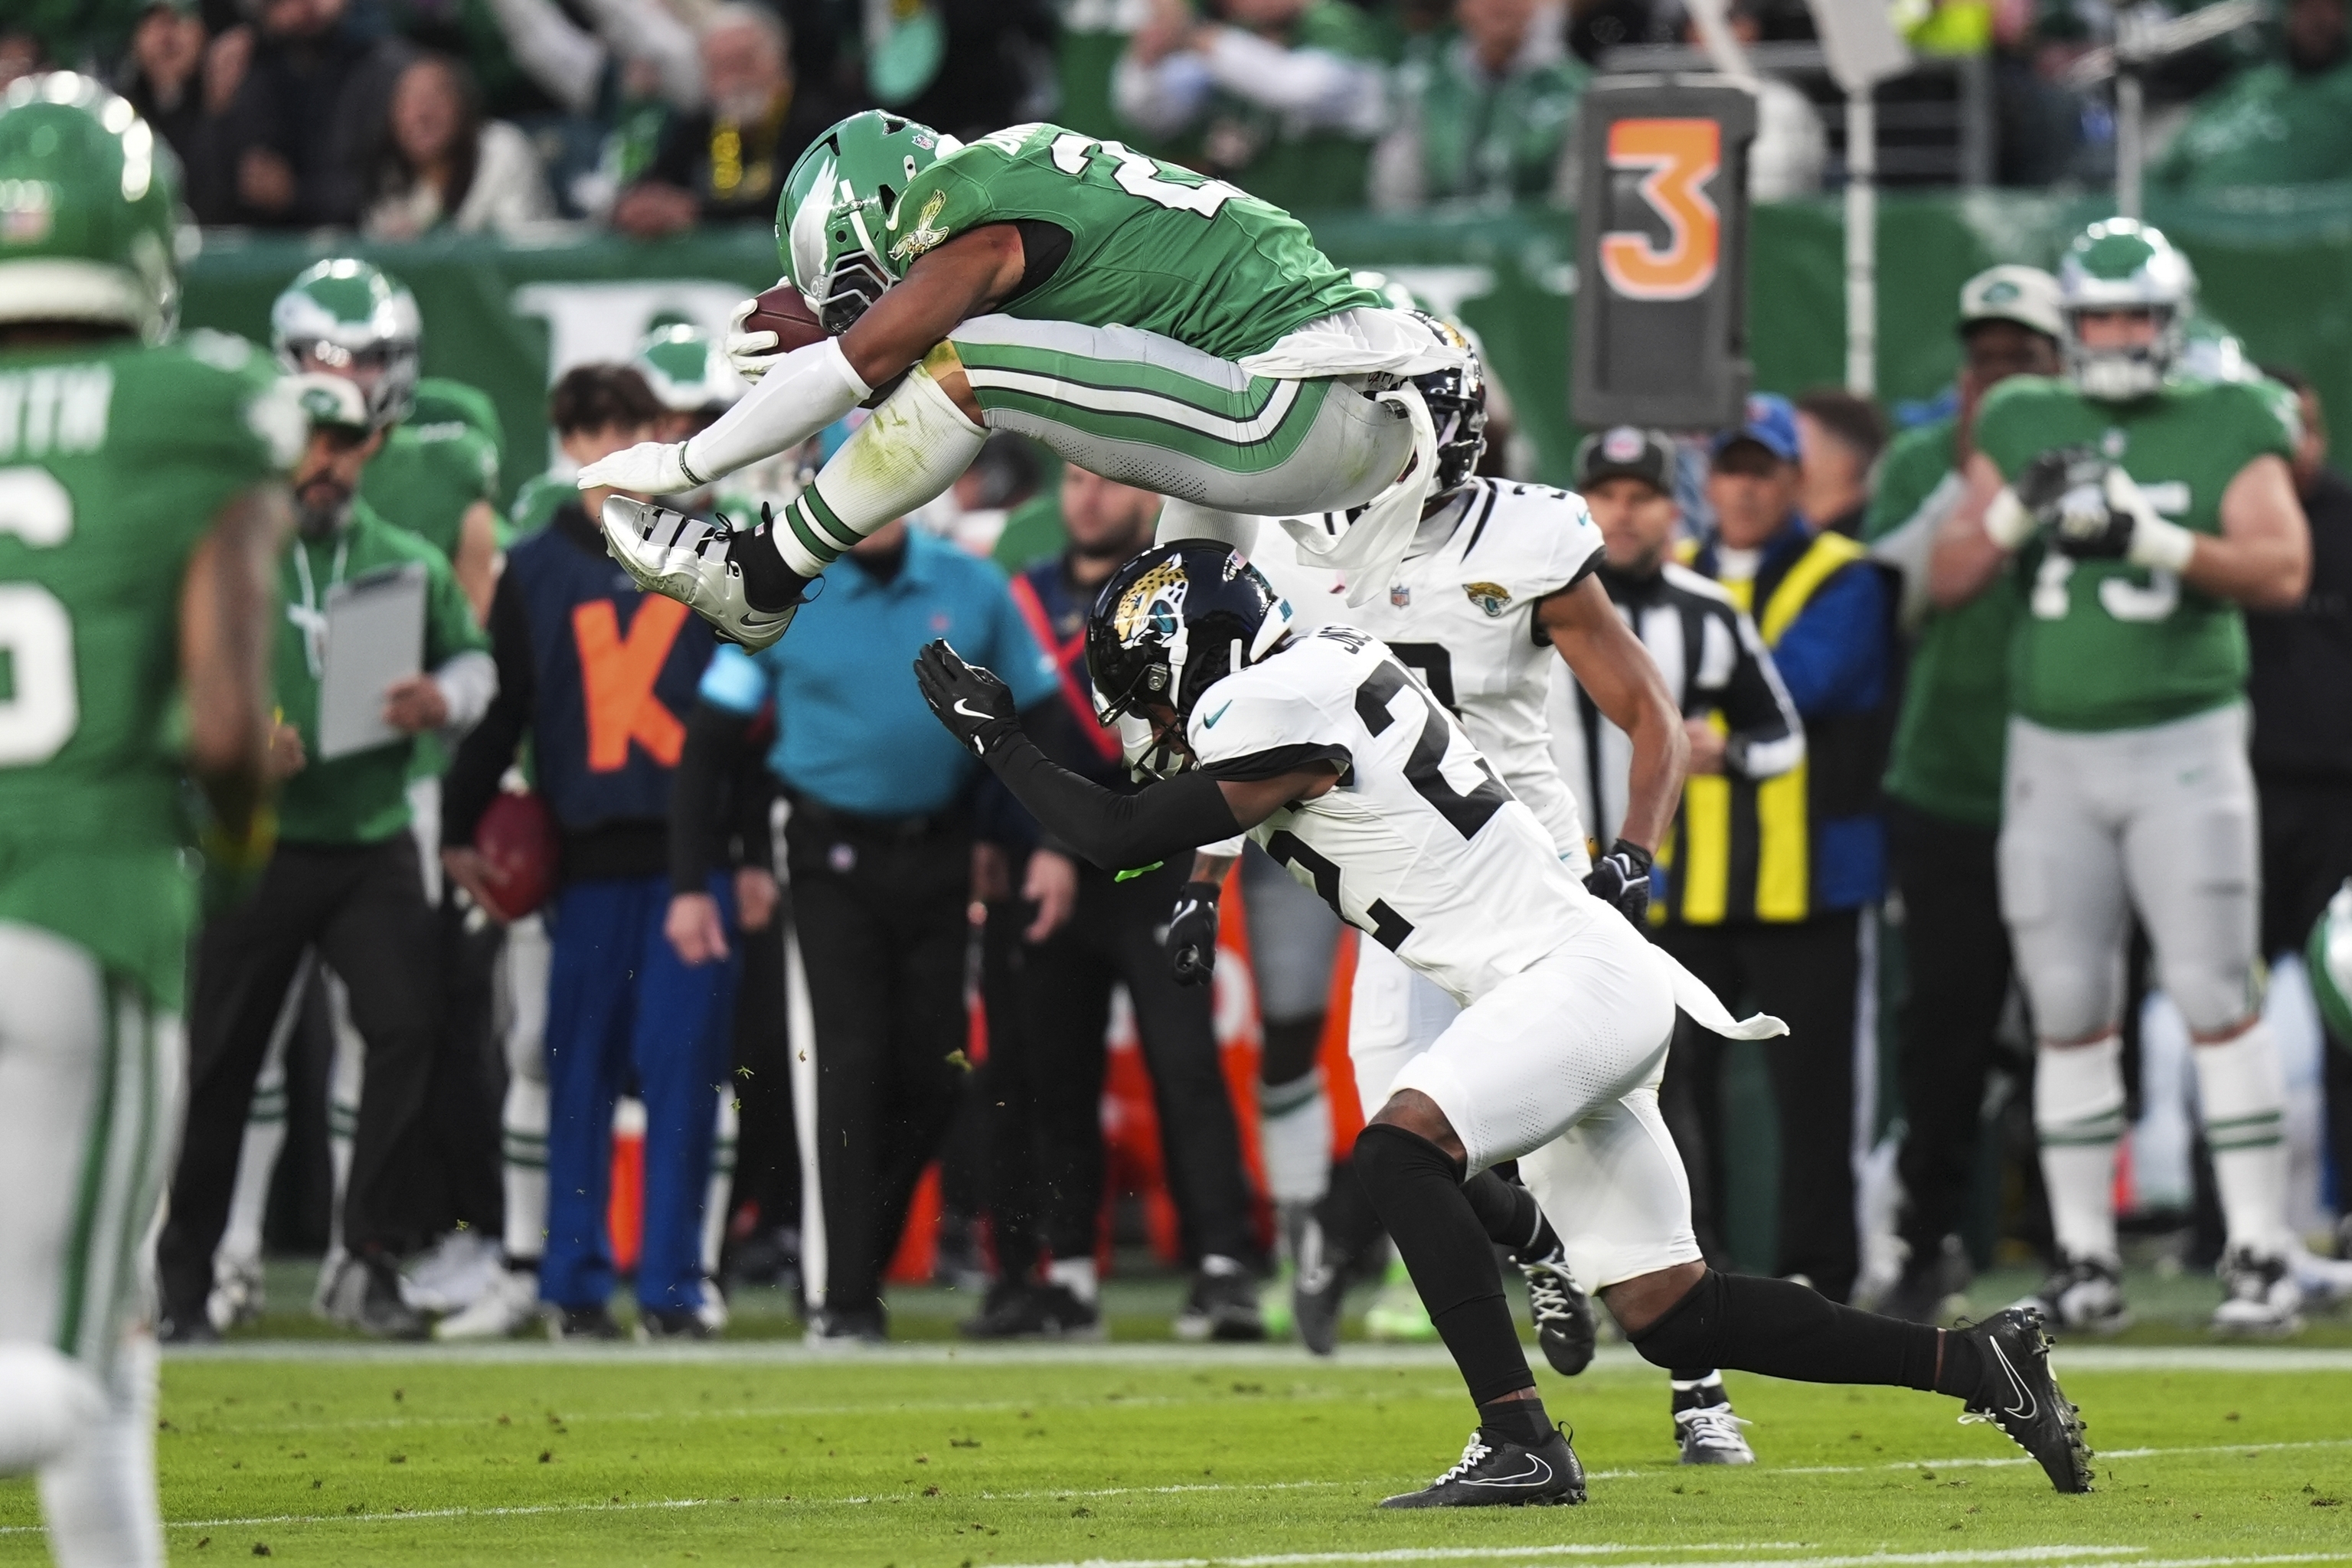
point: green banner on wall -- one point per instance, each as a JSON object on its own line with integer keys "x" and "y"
{"x": 506, "y": 318}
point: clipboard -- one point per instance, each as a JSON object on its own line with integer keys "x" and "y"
{"x": 376, "y": 639}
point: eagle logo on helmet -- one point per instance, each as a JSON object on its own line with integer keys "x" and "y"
{"x": 1155, "y": 604}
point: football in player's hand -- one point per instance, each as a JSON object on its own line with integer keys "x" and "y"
{"x": 518, "y": 846}
{"x": 782, "y": 310}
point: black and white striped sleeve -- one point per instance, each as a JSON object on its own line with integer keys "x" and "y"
{"x": 1765, "y": 738}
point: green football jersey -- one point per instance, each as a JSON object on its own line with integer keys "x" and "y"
{"x": 428, "y": 476}
{"x": 1152, "y": 246}
{"x": 114, "y": 459}
{"x": 361, "y": 797}
{"x": 2104, "y": 645}
{"x": 440, "y": 401}
{"x": 1951, "y": 738}
{"x": 535, "y": 503}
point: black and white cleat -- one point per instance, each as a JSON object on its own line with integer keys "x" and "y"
{"x": 1495, "y": 1472}
{"x": 1562, "y": 1314}
{"x": 2022, "y": 1396}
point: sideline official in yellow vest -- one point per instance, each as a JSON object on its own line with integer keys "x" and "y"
{"x": 1765, "y": 879}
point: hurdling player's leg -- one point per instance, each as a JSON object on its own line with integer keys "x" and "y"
{"x": 1411, "y": 1164}
{"x": 921, "y": 439}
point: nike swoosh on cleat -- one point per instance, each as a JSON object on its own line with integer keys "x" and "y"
{"x": 2027, "y": 1408}
{"x": 1535, "y": 1477}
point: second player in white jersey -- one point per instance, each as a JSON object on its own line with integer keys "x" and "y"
{"x": 1460, "y": 611}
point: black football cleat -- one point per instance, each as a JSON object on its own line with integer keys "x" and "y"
{"x": 1562, "y": 1314}
{"x": 2022, "y": 1396}
{"x": 1495, "y": 1472}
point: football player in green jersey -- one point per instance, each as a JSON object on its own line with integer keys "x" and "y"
{"x": 2138, "y": 510}
{"x": 1148, "y": 325}
{"x": 440, "y": 479}
{"x": 141, "y": 515}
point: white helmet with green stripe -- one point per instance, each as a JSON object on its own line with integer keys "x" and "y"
{"x": 833, "y": 218}
{"x": 351, "y": 319}
{"x": 2122, "y": 264}
{"x": 89, "y": 209}
{"x": 689, "y": 373}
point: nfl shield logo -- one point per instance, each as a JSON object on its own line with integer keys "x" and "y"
{"x": 1400, "y": 595}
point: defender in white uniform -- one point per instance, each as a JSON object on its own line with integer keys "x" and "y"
{"x": 1335, "y": 759}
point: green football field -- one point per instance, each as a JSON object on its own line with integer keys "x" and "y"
{"x": 1166, "y": 1454}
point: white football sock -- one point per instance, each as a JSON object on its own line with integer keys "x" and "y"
{"x": 1295, "y": 1135}
{"x": 98, "y": 1497}
{"x": 523, "y": 1138}
{"x": 916, "y": 445}
{"x": 2078, "y": 1111}
{"x": 1076, "y": 1275}
{"x": 257, "y": 1163}
{"x": 47, "y": 1403}
{"x": 2242, "y": 1099}
{"x": 722, "y": 1182}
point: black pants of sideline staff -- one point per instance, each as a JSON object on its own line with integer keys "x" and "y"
{"x": 1803, "y": 973}
{"x": 363, "y": 908}
{"x": 878, "y": 911}
{"x": 1956, "y": 968}
{"x": 1054, "y": 1060}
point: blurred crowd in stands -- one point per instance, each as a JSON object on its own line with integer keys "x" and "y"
{"x": 400, "y": 117}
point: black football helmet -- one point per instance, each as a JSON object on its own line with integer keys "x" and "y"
{"x": 1176, "y": 620}
{"x": 1457, "y": 406}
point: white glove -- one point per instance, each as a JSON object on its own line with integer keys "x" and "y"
{"x": 647, "y": 468}
{"x": 751, "y": 353}
{"x": 2155, "y": 543}
{"x": 2007, "y": 522}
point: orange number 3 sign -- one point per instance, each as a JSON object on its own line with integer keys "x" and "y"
{"x": 1679, "y": 156}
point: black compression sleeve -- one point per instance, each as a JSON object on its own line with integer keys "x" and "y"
{"x": 1114, "y": 831}
{"x": 714, "y": 742}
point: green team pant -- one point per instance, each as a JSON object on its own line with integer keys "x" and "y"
{"x": 1130, "y": 405}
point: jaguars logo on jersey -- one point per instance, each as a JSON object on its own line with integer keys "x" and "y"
{"x": 1491, "y": 597}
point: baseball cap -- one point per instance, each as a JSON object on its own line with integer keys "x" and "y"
{"x": 1625, "y": 451}
{"x": 2025, "y": 295}
{"x": 1771, "y": 423}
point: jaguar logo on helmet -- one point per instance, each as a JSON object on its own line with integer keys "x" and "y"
{"x": 1155, "y": 604}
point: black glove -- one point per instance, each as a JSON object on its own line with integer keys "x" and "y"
{"x": 975, "y": 706}
{"x": 1192, "y": 934}
{"x": 1621, "y": 877}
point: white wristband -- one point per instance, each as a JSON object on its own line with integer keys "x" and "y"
{"x": 2006, "y": 521}
{"x": 2159, "y": 546}
{"x": 802, "y": 392}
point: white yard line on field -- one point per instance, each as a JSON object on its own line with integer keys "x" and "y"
{"x": 1611, "y": 1359}
{"x": 2106, "y": 1556}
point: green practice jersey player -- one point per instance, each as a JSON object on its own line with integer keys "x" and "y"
{"x": 2138, "y": 510}
{"x": 1148, "y": 325}
{"x": 436, "y": 477}
{"x": 141, "y": 514}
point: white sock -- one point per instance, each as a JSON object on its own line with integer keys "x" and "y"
{"x": 2242, "y": 1099}
{"x": 98, "y": 1497}
{"x": 1295, "y": 1135}
{"x": 2078, "y": 1111}
{"x": 1076, "y": 1275}
{"x": 722, "y": 1183}
{"x": 343, "y": 1129}
{"x": 916, "y": 445}
{"x": 47, "y": 1403}
{"x": 257, "y": 1163}
{"x": 524, "y": 1140}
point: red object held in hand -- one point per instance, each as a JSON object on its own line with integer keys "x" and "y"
{"x": 517, "y": 837}
{"x": 782, "y": 310}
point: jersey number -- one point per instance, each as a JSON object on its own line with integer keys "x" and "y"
{"x": 1142, "y": 175}
{"x": 39, "y": 703}
{"x": 1435, "y": 664}
{"x": 1467, "y": 813}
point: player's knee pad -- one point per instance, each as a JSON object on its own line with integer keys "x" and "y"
{"x": 1691, "y": 1332}
{"x": 51, "y": 1403}
{"x": 2214, "y": 991}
